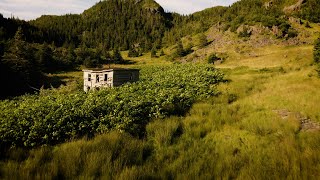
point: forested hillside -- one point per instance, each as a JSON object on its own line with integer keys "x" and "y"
{"x": 112, "y": 24}
{"x": 93, "y": 38}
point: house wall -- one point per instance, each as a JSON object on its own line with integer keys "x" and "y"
{"x": 93, "y": 83}
{"x": 122, "y": 77}
{"x": 86, "y": 83}
{"x": 115, "y": 78}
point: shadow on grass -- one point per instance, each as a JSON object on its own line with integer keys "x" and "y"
{"x": 55, "y": 81}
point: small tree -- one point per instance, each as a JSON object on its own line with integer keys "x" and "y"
{"x": 212, "y": 58}
{"x": 21, "y": 66}
{"x": 133, "y": 52}
{"x": 202, "y": 40}
{"x": 153, "y": 52}
{"x": 162, "y": 53}
{"x": 179, "y": 50}
{"x": 316, "y": 51}
{"x": 245, "y": 32}
{"x": 117, "y": 58}
{"x": 92, "y": 63}
{"x": 188, "y": 48}
{"x": 45, "y": 58}
{"x": 316, "y": 54}
{"x": 307, "y": 25}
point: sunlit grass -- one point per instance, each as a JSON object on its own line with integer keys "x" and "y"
{"x": 237, "y": 135}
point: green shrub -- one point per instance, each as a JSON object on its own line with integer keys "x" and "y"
{"x": 154, "y": 53}
{"x": 212, "y": 58}
{"x": 202, "y": 40}
{"x": 133, "y": 52}
{"x": 92, "y": 63}
{"x": 316, "y": 55}
{"x": 316, "y": 51}
{"x": 245, "y": 32}
{"x": 307, "y": 25}
{"x": 292, "y": 33}
{"x": 162, "y": 53}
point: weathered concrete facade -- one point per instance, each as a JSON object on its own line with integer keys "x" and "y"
{"x": 97, "y": 78}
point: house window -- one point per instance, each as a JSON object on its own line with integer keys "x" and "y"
{"x": 97, "y": 78}
{"x": 106, "y": 77}
{"x": 89, "y": 77}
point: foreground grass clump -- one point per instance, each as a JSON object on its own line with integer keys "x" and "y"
{"x": 55, "y": 118}
{"x": 105, "y": 156}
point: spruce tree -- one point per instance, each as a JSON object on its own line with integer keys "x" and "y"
{"x": 21, "y": 67}
{"x": 179, "y": 50}
{"x": 316, "y": 51}
{"x": 117, "y": 58}
{"x": 162, "y": 53}
{"x": 316, "y": 55}
{"x": 45, "y": 58}
{"x": 133, "y": 52}
{"x": 153, "y": 52}
{"x": 202, "y": 40}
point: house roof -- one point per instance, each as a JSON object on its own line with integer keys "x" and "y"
{"x": 108, "y": 70}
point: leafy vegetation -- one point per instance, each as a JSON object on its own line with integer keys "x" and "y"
{"x": 212, "y": 58}
{"x": 55, "y": 118}
{"x": 249, "y": 131}
{"x": 264, "y": 123}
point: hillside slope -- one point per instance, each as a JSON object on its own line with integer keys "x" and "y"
{"x": 112, "y": 23}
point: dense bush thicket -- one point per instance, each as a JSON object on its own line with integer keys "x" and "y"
{"x": 50, "y": 119}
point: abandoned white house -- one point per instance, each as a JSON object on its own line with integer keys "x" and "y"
{"x": 97, "y": 78}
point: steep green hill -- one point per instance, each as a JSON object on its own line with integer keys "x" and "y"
{"x": 112, "y": 23}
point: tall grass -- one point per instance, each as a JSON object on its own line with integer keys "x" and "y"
{"x": 237, "y": 135}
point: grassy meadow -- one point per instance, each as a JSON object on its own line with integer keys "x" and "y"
{"x": 252, "y": 130}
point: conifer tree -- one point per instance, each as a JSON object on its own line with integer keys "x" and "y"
{"x": 179, "y": 50}
{"x": 21, "y": 67}
{"x": 202, "y": 39}
{"x": 153, "y": 52}
{"x": 45, "y": 58}
{"x": 162, "y": 53}
{"x": 133, "y": 52}
{"x": 316, "y": 51}
{"x": 117, "y": 58}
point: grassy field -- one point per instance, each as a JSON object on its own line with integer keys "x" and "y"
{"x": 264, "y": 125}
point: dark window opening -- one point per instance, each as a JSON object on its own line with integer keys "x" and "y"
{"x": 97, "y": 78}
{"x": 89, "y": 77}
{"x": 106, "y": 77}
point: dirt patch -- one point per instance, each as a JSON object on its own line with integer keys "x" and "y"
{"x": 306, "y": 123}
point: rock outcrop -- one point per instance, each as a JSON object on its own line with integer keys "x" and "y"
{"x": 294, "y": 8}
